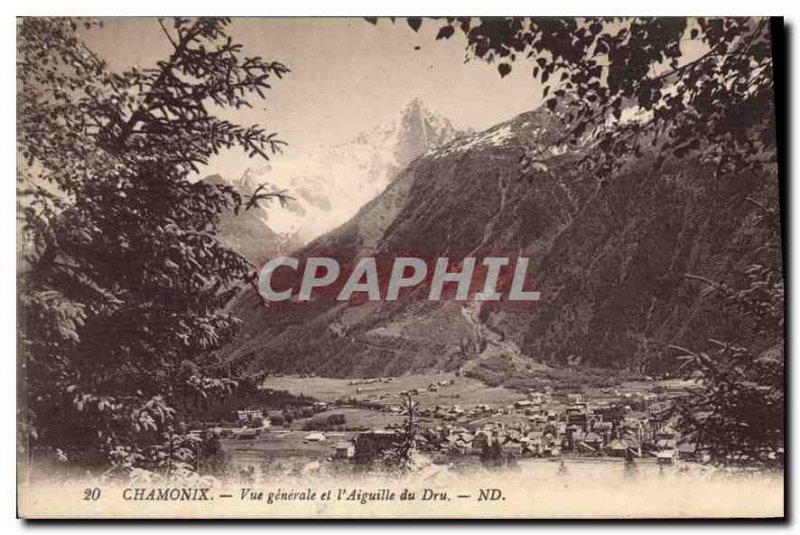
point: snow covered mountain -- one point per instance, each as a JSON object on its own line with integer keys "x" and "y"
{"x": 609, "y": 258}
{"x": 330, "y": 184}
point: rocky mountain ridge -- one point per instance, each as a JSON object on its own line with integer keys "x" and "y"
{"x": 609, "y": 257}
{"x": 329, "y": 184}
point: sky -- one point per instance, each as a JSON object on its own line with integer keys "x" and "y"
{"x": 347, "y": 76}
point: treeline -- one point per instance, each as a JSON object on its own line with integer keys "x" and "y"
{"x": 248, "y": 395}
{"x": 500, "y": 371}
{"x": 325, "y": 422}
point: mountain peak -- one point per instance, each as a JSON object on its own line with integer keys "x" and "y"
{"x": 420, "y": 129}
{"x": 414, "y": 106}
{"x": 417, "y": 110}
{"x": 330, "y": 184}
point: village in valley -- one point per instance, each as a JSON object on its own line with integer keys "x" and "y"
{"x": 458, "y": 421}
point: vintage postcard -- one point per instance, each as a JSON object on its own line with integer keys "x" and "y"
{"x": 455, "y": 267}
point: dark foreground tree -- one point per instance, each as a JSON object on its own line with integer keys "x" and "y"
{"x": 123, "y": 280}
{"x": 689, "y": 84}
{"x": 737, "y": 415}
{"x": 690, "y": 91}
{"x": 399, "y": 456}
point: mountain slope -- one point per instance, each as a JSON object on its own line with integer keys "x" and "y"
{"x": 331, "y": 183}
{"x": 610, "y": 259}
{"x": 246, "y": 232}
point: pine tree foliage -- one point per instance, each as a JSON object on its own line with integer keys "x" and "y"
{"x": 123, "y": 280}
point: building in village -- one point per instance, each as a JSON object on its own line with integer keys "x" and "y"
{"x": 250, "y": 414}
{"x": 623, "y": 425}
{"x": 344, "y": 450}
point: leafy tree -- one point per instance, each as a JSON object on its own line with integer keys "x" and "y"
{"x": 213, "y": 459}
{"x": 693, "y": 81}
{"x": 277, "y": 420}
{"x": 737, "y": 415}
{"x": 492, "y": 453}
{"x": 123, "y": 278}
{"x": 324, "y": 423}
{"x": 480, "y": 442}
{"x": 257, "y": 423}
{"x": 696, "y": 90}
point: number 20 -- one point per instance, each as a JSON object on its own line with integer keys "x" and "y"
{"x": 91, "y": 494}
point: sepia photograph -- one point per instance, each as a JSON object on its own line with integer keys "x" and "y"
{"x": 456, "y": 267}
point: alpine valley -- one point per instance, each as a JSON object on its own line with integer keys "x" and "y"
{"x": 616, "y": 260}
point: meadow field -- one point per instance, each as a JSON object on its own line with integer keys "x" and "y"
{"x": 462, "y": 391}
